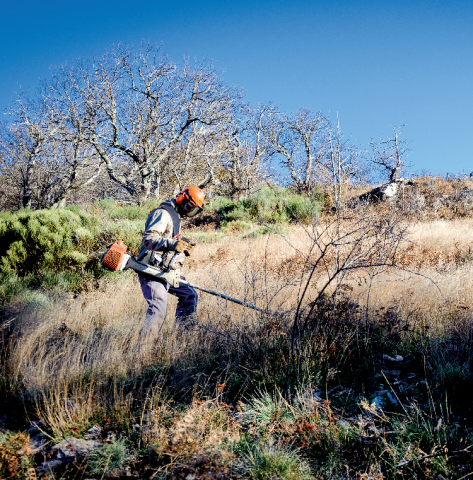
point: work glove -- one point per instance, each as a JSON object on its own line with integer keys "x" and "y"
{"x": 184, "y": 247}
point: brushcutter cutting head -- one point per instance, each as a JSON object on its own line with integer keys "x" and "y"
{"x": 116, "y": 257}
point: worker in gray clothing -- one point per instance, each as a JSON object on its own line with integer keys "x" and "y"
{"x": 162, "y": 234}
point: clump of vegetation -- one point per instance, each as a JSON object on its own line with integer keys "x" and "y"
{"x": 15, "y": 456}
{"x": 34, "y": 241}
{"x": 44, "y": 248}
{"x": 276, "y": 461}
{"x": 109, "y": 458}
{"x": 58, "y": 250}
{"x": 269, "y": 205}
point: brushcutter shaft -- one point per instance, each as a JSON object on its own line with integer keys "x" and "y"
{"x": 226, "y": 297}
{"x": 117, "y": 258}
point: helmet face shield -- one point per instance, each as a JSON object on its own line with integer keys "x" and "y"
{"x": 190, "y": 209}
{"x": 194, "y": 212}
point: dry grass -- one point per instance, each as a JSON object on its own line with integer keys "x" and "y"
{"x": 443, "y": 233}
{"x": 76, "y": 357}
{"x": 97, "y": 333}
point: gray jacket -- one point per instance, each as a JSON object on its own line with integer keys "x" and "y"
{"x": 158, "y": 231}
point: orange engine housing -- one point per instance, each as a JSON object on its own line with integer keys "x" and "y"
{"x": 114, "y": 255}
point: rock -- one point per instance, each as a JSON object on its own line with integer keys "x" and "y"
{"x": 377, "y": 402}
{"x": 50, "y": 465}
{"x": 74, "y": 447}
{"x": 381, "y": 395}
{"x": 72, "y": 404}
{"x": 36, "y": 426}
{"x": 111, "y": 437}
{"x": 392, "y": 398}
{"x": 388, "y": 191}
{"x": 465, "y": 195}
{"x": 416, "y": 203}
{"x": 93, "y": 433}
{"x": 37, "y": 444}
{"x": 396, "y": 358}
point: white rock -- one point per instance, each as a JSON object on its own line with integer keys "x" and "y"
{"x": 396, "y": 358}
{"x": 74, "y": 447}
{"x": 93, "y": 433}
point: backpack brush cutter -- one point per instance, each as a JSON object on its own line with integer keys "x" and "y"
{"x": 166, "y": 268}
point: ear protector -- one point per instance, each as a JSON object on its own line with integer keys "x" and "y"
{"x": 183, "y": 197}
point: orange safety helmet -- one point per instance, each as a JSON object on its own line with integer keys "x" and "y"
{"x": 195, "y": 196}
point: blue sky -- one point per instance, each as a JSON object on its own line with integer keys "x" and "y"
{"x": 377, "y": 63}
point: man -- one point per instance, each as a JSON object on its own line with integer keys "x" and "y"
{"x": 162, "y": 232}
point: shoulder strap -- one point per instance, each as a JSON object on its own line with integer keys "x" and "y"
{"x": 176, "y": 220}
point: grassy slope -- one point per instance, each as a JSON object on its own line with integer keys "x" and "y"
{"x": 229, "y": 397}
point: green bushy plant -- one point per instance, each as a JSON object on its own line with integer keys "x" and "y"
{"x": 267, "y": 462}
{"x": 109, "y": 458}
{"x": 34, "y": 241}
{"x": 11, "y": 286}
{"x": 268, "y": 205}
{"x": 110, "y": 208}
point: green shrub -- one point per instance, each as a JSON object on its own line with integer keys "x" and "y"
{"x": 111, "y": 209}
{"x": 11, "y": 286}
{"x": 60, "y": 281}
{"x": 264, "y": 408}
{"x": 131, "y": 232}
{"x": 109, "y": 458}
{"x": 280, "y": 229}
{"x": 237, "y": 226}
{"x": 58, "y": 250}
{"x": 270, "y": 462}
{"x": 31, "y": 242}
{"x": 268, "y": 205}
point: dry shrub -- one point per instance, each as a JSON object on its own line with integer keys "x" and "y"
{"x": 15, "y": 456}
{"x": 195, "y": 440}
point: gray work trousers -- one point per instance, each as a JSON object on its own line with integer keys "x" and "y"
{"x": 156, "y": 294}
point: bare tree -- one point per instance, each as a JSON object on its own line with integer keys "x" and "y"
{"x": 390, "y": 154}
{"x": 42, "y": 158}
{"x": 137, "y": 109}
{"x": 343, "y": 164}
{"x": 244, "y": 152}
{"x": 300, "y": 141}
{"x": 24, "y": 141}
{"x": 194, "y": 161}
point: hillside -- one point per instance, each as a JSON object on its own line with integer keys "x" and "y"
{"x": 362, "y": 371}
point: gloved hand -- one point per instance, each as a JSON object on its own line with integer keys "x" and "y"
{"x": 183, "y": 246}
{"x": 189, "y": 249}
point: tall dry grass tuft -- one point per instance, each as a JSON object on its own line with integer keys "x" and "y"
{"x": 76, "y": 337}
